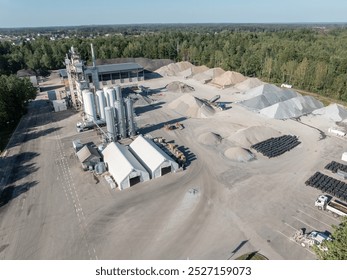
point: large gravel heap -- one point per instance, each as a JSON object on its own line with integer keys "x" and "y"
{"x": 239, "y": 154}
{"x": 190, "y": 106}
{"x": 333, "y": 112}
{"x": 248, "y": 84}
{"x": 173, "y": 69}
{"x": 279, "y": 103}
{"x": 228, "y": 79}
{"x": 179, "y": 87}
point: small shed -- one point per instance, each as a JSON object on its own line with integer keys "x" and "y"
{"x": 88, "y": 156}
{"x": 123, "y": 166}
{"x": 154, "y": 159}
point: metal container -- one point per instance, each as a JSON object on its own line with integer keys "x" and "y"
{"x": 102, "y": 103}
{"x": 119, "y": 95}
{"x": 119, "y": 106}
{"x": 110, "y": 123}
{"x": 89, "y": 105}
{"x": 130, "y": 116}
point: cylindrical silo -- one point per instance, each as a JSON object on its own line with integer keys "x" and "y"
{"x": 108, "y": 104}
{"x": 102, "y": 103}
{"x": 118, "y": 92}
{"x": 119, "y": 106}
{"x": 111, "y": 93}
{"x": 110, "y": 123}
{"x": 89, "y": 105}
{"x": 130, "y": 116}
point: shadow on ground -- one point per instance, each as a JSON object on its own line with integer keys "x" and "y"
{"x": 152, "y": 127}
{"x": 13, "y": 191}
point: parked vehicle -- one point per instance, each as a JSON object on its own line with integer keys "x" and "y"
{"x": 334, "y": 206}
{"x": 314, "y": 238}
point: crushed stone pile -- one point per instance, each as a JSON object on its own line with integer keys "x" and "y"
{"x": 267, "y": 95}
{"x": 249, "y": 84}
{"x": 177, "y": 86}
{"x": 334, "y": 112}
{"x": 174, "y": 68}
{"x": 190, "y": 106}
{"x": 210, "y": 139}
{"x": 208, "y": 75}
{"x": 292, "y": 108}
{"x": 228, "y": 79}
{"x": 190, "y": 72}
{"x": 249, "y": 136}
{"x": 239, "y": 154}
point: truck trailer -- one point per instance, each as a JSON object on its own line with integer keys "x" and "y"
{"x": 334, "y": 206}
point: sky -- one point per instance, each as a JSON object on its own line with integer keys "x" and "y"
{"x": 41, "y": 13}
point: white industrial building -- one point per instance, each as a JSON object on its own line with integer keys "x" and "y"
{"x": 123, "y": 166}
{"x": 156, "y": 161}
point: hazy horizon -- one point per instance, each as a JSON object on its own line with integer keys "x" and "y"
{"x": 22, "y": 14}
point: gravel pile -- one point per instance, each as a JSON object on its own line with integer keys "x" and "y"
{"x": 174, "y": 69}
{"x": 292, "y": 108}
{"x": 210, "y": 139}
{"x": 248, "y": 84}
{"x": 228, "y": 79}
{"x": 179, "y": 87}
{"x": 190, "y": 72}
{"x": 239, "y": 154}
{"x": 333, "y": 112}
{"x": 208, "y": 75}
{"x": 190, "y": 106}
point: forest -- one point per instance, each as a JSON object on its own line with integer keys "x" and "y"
{"x": 311, "y": 59}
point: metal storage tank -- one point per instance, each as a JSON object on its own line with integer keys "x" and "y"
{"x": 110, "y": 123}
{"x": 111, "y": 93}
{"x": 130, "y": 116}
{"x": 119, "y": 105}
{"x": 106, "y": 98}
{"x": 118, "y": 92}
{"x": 89, "y": 105}
{"x": 102, "y": 103}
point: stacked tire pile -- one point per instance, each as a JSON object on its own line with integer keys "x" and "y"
{"x": 328, "y": 185}
{"x": 275, "y": 147}
{"x": 334, "y": 166}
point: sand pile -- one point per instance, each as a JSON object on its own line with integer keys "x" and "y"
{"x": 174, "y": 68}
{"x": 208, "y": 75}
{"x": 251, "y": 135}
{"x": 334, "y": 112}
{"x": 248, "y": 84}
{"x": 228, "y": 79}
{"x": 292, "y": 108}
{"x": 239, "y": 154}
{"x": 190, "y": 72}
{"x": 190, "y": 106}
{"x": 179, "y": 87}
{"x": 267, "y": 95}
{"x": 210, "y": 139}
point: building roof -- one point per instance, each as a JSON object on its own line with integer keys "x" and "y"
{"x": 150, "y": 153}
{"x": 121, "y": 163}
{"x": 63, "y": 73}
{"x": 111, "y": 68}
{"x": 86, "y": 153}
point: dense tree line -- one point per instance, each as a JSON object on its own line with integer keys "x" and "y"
{"x": 14, "y": 94}
{"x": 310, "y": 59}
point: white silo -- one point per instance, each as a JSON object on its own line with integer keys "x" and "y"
{"x": 102, "y": 103}
{"x": 118, "y": 92}
{"x": 110, "y": 123}
{"x": 130, "y": 116}
{"x": 111, "y": 93}
{"x": 106, "y": 98}
{"x": 89, "y": 105}
{"x": 119, "y": 106}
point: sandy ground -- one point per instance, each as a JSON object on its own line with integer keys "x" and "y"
{"x": 218, "y": 208}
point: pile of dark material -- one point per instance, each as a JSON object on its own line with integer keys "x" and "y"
{"x": 328, "y": 185}
{"x": 334, "y": 166}
{"x": 275, "y": 147}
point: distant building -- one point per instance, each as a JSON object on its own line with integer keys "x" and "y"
{"x": 88, "y": 156}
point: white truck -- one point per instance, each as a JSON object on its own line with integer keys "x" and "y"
{"x": 334, "y": 206}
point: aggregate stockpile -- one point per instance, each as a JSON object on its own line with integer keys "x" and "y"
{"x": 279, "y": 103}
{"x": 190, "y": 106}
{"x": 228, "y": 79}
{"x": 333, "y": 112}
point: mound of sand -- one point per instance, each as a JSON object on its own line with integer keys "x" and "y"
{"x": 190, "y": 106}
{"x": 249, "y": 136}
{"x": 267, "y": 95}
{"x": 190, "y": 72}
{"x": 208, "y": 75}
{"x": 248, "y": 84}
{"x": 174, "y": 68}
{"x": 210, "y": 139}
{"x": 179, "y": 87}
{"x": 228, "y": 79}
{"x": 239, "y": 154}
{"x": 334, "y": 112}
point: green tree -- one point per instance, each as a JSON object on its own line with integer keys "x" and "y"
{"x": 337, "y": 249}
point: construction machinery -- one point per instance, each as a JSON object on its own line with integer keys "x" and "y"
{"x": 314, "y": 238}
{"x": 173, "y": 126}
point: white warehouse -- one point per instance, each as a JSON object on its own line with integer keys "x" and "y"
{"x": 123, "y": 166}
{"x": 156, "y": 161}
